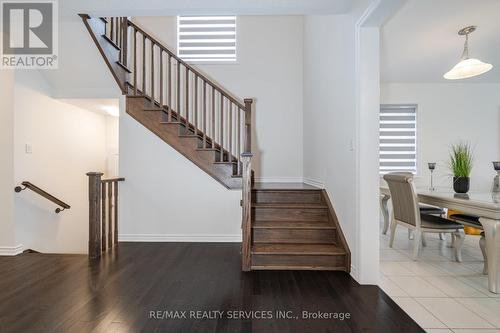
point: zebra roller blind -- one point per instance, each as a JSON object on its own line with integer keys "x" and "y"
{"x": 206, "y": 38}
{"x": 398, "y": 138}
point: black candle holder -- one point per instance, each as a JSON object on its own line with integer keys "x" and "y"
{"x": 432, "y": 167}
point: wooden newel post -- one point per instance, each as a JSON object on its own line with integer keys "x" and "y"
{"x": 247, "y": 144}
{"x": 94, "y": 214}
{"x": 246, "y": 224}
{"x": 246, "y": 202}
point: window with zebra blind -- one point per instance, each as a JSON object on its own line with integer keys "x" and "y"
{"x": 206, "y": 38}
{"x": 398, "y": 138}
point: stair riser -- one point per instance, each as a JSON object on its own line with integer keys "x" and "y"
{"x": 287, "y": 197}
{"x": 289, "y": 214}
{"x": 300, "y": 236}
{"x": 291, "y": 261}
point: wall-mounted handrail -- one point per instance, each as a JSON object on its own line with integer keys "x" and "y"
{"x": 46, "y": 195}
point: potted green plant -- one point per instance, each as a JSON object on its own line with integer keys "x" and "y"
{"x": 461, "y": 157}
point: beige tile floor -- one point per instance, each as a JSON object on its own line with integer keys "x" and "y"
{"x": 441, "y": 295}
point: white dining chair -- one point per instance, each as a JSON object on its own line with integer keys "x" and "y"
{"x": 406, "y": 213}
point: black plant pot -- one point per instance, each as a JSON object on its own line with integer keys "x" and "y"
{"x": 461, "y": 184}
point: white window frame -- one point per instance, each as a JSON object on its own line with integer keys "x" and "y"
{"x": 204, "y": 62}
{"x": 402, "y": 107}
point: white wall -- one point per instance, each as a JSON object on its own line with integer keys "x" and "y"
{"x": 367, "y": 184}
{"x": 165, "y": 197}
{"x": 82, "y": 72}
{"x": 7, "y": 226}
{"x": 112, "y": 146}
{"x": 449, "y": 113}
{"x": 67, "y": 142}
{"x": 269, "y": 69}
{"x": 329, "y": 115}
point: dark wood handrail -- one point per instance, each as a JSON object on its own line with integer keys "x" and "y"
{"x": 203, "y": 108}
{"x": 45, "y": 194}
{"x": 111, "y": 180}
{"x": 191, "y": 68}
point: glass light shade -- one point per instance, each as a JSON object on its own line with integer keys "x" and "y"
{"x": 467, "y": 68}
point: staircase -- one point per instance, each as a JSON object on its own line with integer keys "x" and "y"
{"x": 285, "y": 226}
{"x": 295, "y": 227}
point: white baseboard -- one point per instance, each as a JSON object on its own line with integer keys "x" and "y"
{"x": 354, "y": 273}
{"x": 314, "y": 182}
{"x": 11, "y": 250}
{"x": 179, "y": 238}
{"x": 279, "y": 180}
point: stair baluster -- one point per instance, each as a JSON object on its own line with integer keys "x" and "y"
{"x": 103, "y": 213}
{"x": 197, "y": 105}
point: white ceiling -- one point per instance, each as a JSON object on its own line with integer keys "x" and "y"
{"x": 176, "y": 7}
{"x": 420, "y": 42}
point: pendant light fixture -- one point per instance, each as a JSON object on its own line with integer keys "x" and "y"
{"x": 467, "y": 67}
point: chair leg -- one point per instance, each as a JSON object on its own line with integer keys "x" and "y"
{"x": 482, "y": 245}
{"x": 459, "y": 241}
{"x": 424, "y": 241}
{"x": 452, "y": 244}
{"x": 393, "y": 233}
{"x": 417, "y": 238}
{"x": 410, "y": 235}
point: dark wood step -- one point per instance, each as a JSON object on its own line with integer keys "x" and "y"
{"x": 297, "y": 249}
{"x": 298, "y": 236}
{"x": 292, "y": 225}
{"x": 289, "y": 205}
{"x": 111, "y": 42}
{"x": 298, "y": 262}
{"x": 287, "y": 196}
{"x": 124, "y": 67}
{"x": 284, "y": 186}
{"x": 295, "y": 268}
{"x": 289, "y": 213}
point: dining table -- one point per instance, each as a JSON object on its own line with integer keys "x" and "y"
{"x": 485, "y": 205}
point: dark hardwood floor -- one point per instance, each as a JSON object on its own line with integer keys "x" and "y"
{"x": 119, "y": 293}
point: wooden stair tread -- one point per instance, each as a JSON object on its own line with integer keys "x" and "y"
{"x": 298, "y": 268}
{"x": 289, "y": 205}
{"x": 284, "y": 187}
{"x": 226, "y": 162}
{"x": 292, "y": 225}
{"x": 153, "y": 109}
{"x": 297, "y": 249}
{"x": 111, "y": 42}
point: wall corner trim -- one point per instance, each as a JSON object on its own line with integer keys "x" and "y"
{"x": 354, "y": 273}
{"x": 11, "y": 250}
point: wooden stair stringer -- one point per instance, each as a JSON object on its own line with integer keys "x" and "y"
{"x": 109, "y": 51}
{"x": 185, "y": 145}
